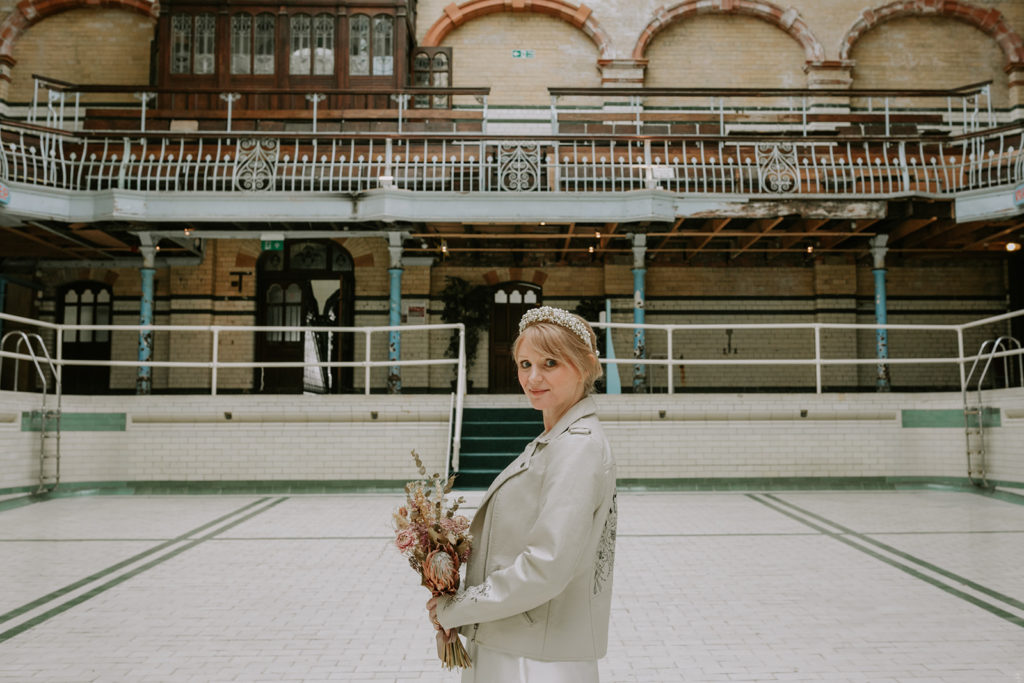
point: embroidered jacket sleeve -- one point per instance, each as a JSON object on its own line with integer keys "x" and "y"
{"x": 572, "y": 489}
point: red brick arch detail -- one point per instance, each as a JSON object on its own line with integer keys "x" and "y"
{"x": 989, "y": 20}
{"x": 787, "y": 20}
{"x": 29, "y": 12}
{"x": 580, "y": 17}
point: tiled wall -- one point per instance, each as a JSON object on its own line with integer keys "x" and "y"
{"x": 190, "y": 438}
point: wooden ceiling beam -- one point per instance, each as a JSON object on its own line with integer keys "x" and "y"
{"x": 859, "y": 226}
{"x": 908, "y": 227}
{"x": 807, "y": 225}
{"x": 671, "y": 233}
{"x": 994, "y": 236}
{"x": 717, "y": 225}
{"x": 764, "y": 226}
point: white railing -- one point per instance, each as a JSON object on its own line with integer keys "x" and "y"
{"x": 774, "y": 166}
{"x": 215, "y": 363}
{"x": 817, "y": 361}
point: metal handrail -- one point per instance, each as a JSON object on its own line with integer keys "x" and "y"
{"x": 26, "y": 338}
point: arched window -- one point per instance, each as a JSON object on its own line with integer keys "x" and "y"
{"x": 252, "y": 44}
{"x": 371, "y": 54}
{"x": 192, "y": 43}
{"x": 431, "y": 68}
{"x": 85, "y": 303}
{"x": 312, "y": 45}
{"x": 383, "y": 45}
{"x": 359, "y": 45}
{"x": 307, "y": 284}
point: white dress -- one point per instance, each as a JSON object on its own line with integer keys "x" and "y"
{"x": 491, "y": 666}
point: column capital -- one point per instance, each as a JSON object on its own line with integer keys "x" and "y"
{"x": 879, "y": 249}
{"x": 639, "y": 248}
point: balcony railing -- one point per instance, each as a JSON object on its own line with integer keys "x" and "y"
{"x": 774, "y": 166}
{"x": 616, "y": 111}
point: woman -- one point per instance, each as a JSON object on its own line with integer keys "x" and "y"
{"x": 538, "y": 583}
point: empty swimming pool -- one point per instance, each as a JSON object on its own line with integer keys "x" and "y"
{"x": 922, "y": 585}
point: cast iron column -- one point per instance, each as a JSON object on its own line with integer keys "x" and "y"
{"x": 878, "y": 250}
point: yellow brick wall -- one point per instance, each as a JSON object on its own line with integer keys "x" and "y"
{"x": 107, "y": 46}
{"x": 747, "y": 52}
{"x": 482, "y": 55}
{"x": 928, "y": 52}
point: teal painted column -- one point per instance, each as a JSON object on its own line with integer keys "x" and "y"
{"x": 144, "y": 382}
{"x": 878, "y": 251}
{"x": 395, "y": 311}
{"x": 612, "y": 382}
{"x": 394, "y": 336}
{"x": 639, "y": 339}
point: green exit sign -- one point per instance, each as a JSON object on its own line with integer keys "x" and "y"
{"x": 522, "y": 54}
{"x": 272, "y": 245}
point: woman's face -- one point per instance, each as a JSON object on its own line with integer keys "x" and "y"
{"x": 553, "y": 386}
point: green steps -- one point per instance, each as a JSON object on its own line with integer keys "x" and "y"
{"x": 491, "y": 439}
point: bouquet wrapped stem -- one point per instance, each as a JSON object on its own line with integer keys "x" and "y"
{"x": 436, "y": 542}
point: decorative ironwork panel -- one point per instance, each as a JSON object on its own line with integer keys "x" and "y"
{"x": 777, "y": 168}
{"x": 519, "y": 167}
{"x": 256, "y": 164}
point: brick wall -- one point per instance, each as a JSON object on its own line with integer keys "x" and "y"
{"x": 483, "y": 55}
{"x": 106, "y": 46}
{"x": 927, "y": 52}
{"x": 824, "y": 291}
{"x": 678, "y": 55}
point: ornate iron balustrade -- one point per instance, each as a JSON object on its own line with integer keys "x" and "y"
{"x": 769, "y": 166}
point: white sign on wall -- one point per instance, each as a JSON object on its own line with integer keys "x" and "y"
{"x": 414, "y": 312}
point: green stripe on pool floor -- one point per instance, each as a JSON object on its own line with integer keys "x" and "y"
{"x": 845, "y": 536}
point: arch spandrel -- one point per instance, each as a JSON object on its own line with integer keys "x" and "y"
{"x": 579, "y": 16}
{"x": 987, "y": 19}
{"x": 30, "y": 12}
{"x": 787, "y": 20}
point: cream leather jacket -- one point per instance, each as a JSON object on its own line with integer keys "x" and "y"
{"x": 539, "y": 579}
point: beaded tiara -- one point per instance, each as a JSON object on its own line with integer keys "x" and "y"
{"x": 560, "y": 317}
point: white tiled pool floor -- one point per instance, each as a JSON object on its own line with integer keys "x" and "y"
{"x": 874, "y": 586}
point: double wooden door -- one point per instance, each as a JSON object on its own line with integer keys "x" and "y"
{"x": 511, "y": 301}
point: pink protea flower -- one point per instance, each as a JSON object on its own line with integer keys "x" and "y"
{"x": 441, "y": 571}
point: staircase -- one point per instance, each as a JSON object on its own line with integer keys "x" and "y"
{"x": 491, "y": 439}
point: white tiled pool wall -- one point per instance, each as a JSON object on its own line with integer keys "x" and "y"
{"x": 273, "y": 438}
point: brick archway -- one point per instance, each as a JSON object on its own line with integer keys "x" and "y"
{"x": 989, "y": 20}
{"x": 580, "y": 17}
{"x": 29, "y": 12}
{"x": 786, "y": 20}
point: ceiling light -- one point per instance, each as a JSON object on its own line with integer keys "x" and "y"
{"x": 590, "y": 249}
{"x": 1013, "y": 246}
{"x": 810, "y": 248}
{"x": 597, "y": 235}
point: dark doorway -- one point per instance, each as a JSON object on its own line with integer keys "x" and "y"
{"x": 85, "y": 303}
{"x": 511, "y": 301}
{"x": 308, "y": 283}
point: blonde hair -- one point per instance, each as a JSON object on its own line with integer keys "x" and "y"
{"x": 564, "y": 345}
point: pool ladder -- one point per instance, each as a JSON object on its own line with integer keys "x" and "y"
{"x": 974, "y": 413}
{"x": 48, "y": 419}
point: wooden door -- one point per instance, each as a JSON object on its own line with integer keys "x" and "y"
{"x": 511, "y": 301}
{"x": 85, "y": 303}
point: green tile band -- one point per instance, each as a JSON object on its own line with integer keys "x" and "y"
{"x": 949, "y": 418}
{"x": 76, "y": 422}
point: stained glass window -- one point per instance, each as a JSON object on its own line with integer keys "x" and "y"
{"x": 359, "y": 45}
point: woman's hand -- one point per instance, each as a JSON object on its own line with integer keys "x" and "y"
{"x": 432, "y": 611}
